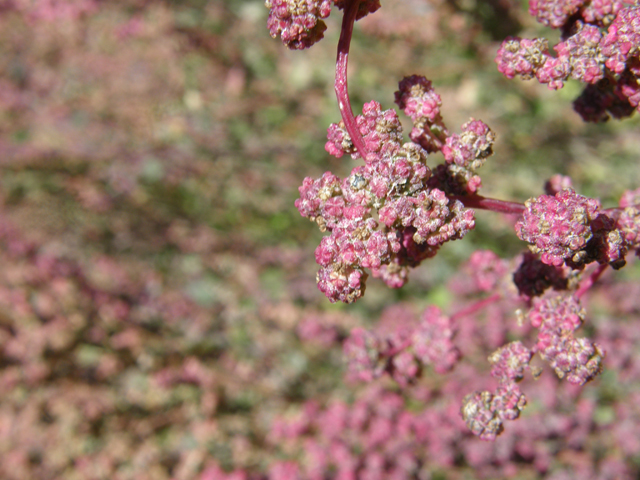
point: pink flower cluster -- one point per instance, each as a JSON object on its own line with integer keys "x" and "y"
{"x": 414, "y": 214}
{"x": 556, "y": 318}
{"x": 464, "y": 153}
{"x": 299, "y": 23}
{"x": 420, "y": 102}
{"x": 560, "y": 13}
{"x": 413, "y": 218}
{"x": 402, "y": 347}
{"x": 622, "y": 42}
{"x": 467, "y": 152}
{"x": 577, "y": 360}
{"x": 554, "y": 13}
{"x": 486, "y": 269}
{"x": 375, "y": 438}
{"x": 579, "y": 57}
{"x": 605, "y": 60}
{"x": 381, "y": 131}
{"x": 533, "y": 276}
{"x": 485, "y": 412}
{"x": 571, "y": 229}
{"x": 629, "y": 219}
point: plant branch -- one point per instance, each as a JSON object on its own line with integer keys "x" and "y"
{"x": 474, "y": 307}
{"x": 492, "y": 204}
{"x": 394, "y": 351}
{"x": 342, "y": 91}
{"x": 593, "y": 278}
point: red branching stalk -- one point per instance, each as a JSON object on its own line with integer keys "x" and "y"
{"x": 492, "y": 204}
{"x": 473, "y": 308}
{"x": 399, "y": 348}
{"x": 342, "y": 91}
{"x": 589, "y": 282}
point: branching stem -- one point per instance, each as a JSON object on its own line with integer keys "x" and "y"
{"x": 403, "y": 346}
{"x": 342, "y": 91}
{"x": 474, "y": 307}
{"x": 593, "y": 278}
{"x": 344, "y": 103}
{"x": 492, "y": 204}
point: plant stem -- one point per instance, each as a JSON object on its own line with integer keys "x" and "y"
{"x": 342, "y": 92}
{"x": 593, "y": 278}
{"x": 492, "y": 204}
{"x": 394, "y": 351}
{"x": 474, "y": 307}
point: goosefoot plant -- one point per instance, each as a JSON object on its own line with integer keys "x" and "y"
{"x": 395, "y": 211}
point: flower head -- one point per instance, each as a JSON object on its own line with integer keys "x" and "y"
{"x": 297, "y": 22}
{"x": 559, "y": 227}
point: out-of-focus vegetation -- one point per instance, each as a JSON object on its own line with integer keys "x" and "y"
{"x": 154, "y": 270}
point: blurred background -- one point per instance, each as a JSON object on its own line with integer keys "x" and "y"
{"x": 154, "y": 273}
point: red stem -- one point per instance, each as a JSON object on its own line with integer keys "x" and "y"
{"x": 394, "y": 351}
{"x": 342, "y": 92}
{"x": 492, "y": 204}
{"x": 593, "y": 278}
{"x": 344, "y": 103}
{"x": 474, "y": 307}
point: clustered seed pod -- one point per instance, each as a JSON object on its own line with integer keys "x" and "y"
{"x": 299, "y": 23}
{"x": 571, "y": 229}
{"x": 386, "y": 216}
{"x": 599, "y": 47}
